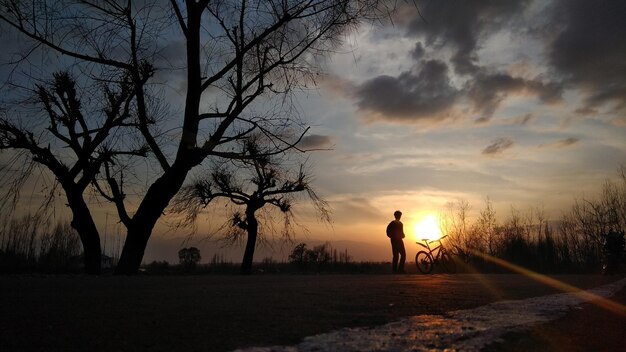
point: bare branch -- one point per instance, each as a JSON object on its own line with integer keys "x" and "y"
{"x": 19, "y": 25}
{"x": 179, "y": 17}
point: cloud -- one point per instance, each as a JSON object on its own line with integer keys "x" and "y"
{"x": 418, "y": 51}
{"x": 583, "y": 40}
{"x": 586, "y": 111}
{"x": 458, "y": 30}
{"x": 459, "y": 25}
{"x": 429, "y": 93}
{"x": 564, "y": 46}
{"x": 524, "y": 120}
{"x": 619, "y": 121}
{"x": 521, "y": 120}
{"x": 589, "y": 51}
{"x": 359, "y": 208}
{"x": 315, "y": 141}
{"x": 498, "y": 146}
{"x": 562, "y": 143}
{"x": 567, "y": 142}
{"x": 426, "y": 94}
{"x": 487, "y": 90}
{"x": 482, "y": 120}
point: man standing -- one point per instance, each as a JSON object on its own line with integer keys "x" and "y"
{"x": 395, "y": 231}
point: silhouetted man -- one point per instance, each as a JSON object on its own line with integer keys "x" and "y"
{"x": 395, "y": 231}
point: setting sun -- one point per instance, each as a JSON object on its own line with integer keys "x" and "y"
{"x": 427, "y": 227}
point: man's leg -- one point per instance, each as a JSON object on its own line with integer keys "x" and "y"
{"x": 394, "y": 262}
{"x": 402, "y": 257}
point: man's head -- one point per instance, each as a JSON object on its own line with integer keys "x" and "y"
{"x": 397, "y": 214}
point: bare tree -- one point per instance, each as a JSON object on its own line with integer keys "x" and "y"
{"x": 486, "y": 225}
{"x": 237, "y": 56}
{"x": 590, "y": 221}
{"x": 253, "y": 184}
{"x": 82, "y": 142}
{"x": 456, "y": 225}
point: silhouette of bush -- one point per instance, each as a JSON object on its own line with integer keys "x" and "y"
{"x": 613, "y": 251}
{"x": 189, "y": 257}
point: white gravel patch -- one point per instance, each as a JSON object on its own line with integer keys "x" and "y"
{"x": 466, "y": 330}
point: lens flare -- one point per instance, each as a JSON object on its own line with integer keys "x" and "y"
{"x": 599, "y": 301}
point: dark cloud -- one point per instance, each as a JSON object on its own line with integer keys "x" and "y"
{"x": 487, "y": 90}
{"x": 429, "y": 93}
{"x": 424, "y": 94}
{"x": 498, "y": 146}
{"x": 585, "y": 51}
{"x": 483, "y": 119}
{"x": 315, "y": 141}
{"x": 524, "y": 120}
{"x": 458, "y": 27}
{"x": 567, "y": 142}
{"x": 461, "y": 24}
{"x": 562, "y": 143}
{"x": 584, "y": 39}
{"x": 586, "y": 111}
{"x": 589, "y": 51}
{"x": 418, "y": 52}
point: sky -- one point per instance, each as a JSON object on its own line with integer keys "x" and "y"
{"x": 523, "y": 102}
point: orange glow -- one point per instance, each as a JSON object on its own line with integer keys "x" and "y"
{"x": 427, "y": 228}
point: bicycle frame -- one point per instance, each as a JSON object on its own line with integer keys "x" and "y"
{"x": 426, "y": 259}
{"x": 431, "y": 251}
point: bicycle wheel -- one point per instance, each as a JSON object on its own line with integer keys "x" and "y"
{"x": 447, "y": 262}
{"x": 424, "y": 262}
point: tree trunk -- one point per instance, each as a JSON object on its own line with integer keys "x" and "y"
{"x": 83, "y": 223}
{"x": 165, "y": 188}
{"x": 133, "y": 251}
{"x": 248, "y": 255}
{"x": 150, "y": 210}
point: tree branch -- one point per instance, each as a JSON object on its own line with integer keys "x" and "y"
{"x": 46, "y": 42}
{"x": 179, "y": 17}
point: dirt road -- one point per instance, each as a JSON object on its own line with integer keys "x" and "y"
{"x": 221, "y": 313}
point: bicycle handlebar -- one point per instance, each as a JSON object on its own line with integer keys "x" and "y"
{"x": 429, "y": 240}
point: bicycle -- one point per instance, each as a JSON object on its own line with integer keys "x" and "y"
{"x": 426, "y": 260}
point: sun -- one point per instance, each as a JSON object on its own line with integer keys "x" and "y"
{"x": 427, "y": 228}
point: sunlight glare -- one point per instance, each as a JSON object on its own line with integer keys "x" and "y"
{"x": 427, "y": 227}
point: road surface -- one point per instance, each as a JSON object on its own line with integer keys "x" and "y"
{"x": 223, "y": 313}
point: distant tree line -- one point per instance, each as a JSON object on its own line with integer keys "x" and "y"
{"x": 319, "y": 258}
{"x": 589, "y": 237}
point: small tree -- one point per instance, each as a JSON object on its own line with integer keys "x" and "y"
{"x": 189, "y": 257}
{"x": 298, "y": 253}
{"x": 252, "y": 184}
